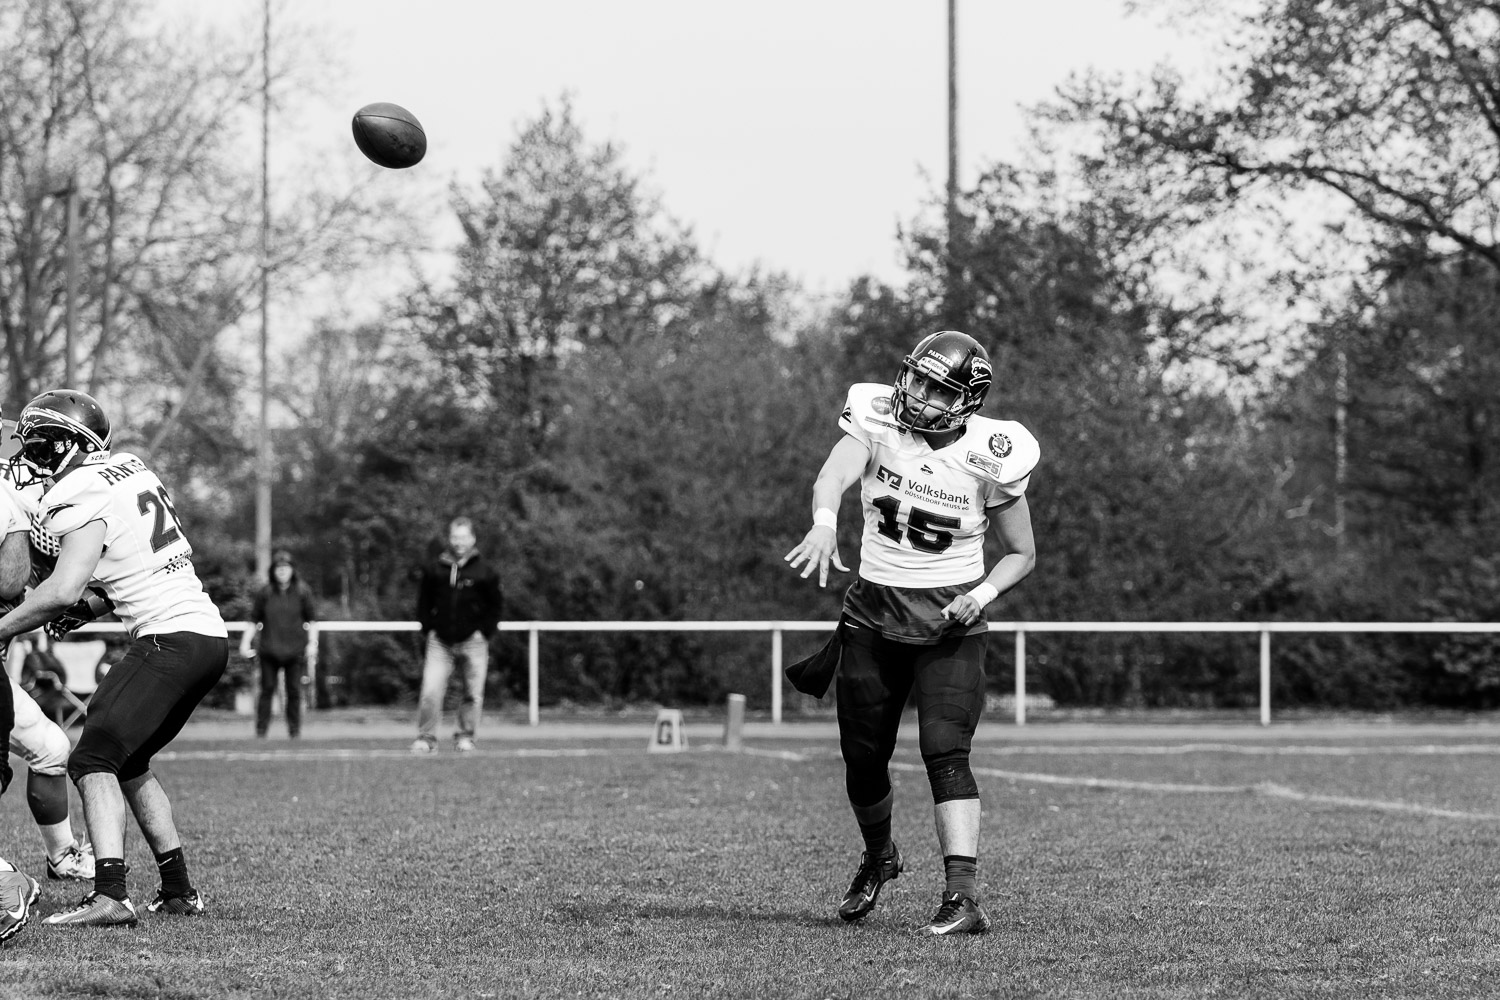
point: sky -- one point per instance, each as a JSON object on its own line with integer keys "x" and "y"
{"x": 792, "y": 135}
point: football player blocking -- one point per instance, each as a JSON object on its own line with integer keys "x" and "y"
{"x": 934, "y": 479}
{"x": 33, "y": 737}
{"x": 117, "y": 531}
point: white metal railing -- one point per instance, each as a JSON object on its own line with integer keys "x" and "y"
{"x": 777, "y": 628}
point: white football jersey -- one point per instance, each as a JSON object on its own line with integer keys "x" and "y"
{"x": 146, "y": 569}
{"x": 17, "y": 504}
{"x": 925, "y": 509}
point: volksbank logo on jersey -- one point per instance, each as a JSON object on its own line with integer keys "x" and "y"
{"x": 888, "y": 477}
{"x": 935, "y": 493}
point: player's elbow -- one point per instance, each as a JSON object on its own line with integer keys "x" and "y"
{"x": 56, "y": 593}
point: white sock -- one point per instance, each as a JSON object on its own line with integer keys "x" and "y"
{"x": 57, "y": 838}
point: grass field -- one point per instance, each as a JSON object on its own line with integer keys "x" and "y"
{"x": 1358, "y": 865}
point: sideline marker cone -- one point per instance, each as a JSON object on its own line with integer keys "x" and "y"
{"x": 668, "y": 736}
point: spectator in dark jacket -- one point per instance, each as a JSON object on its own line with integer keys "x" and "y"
{"x": 283, "y": 616}
{"x": 458, "y": 605}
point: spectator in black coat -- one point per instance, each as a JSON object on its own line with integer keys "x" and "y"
{"x": 458, "y": 605}
{"x": 283, "y": 615}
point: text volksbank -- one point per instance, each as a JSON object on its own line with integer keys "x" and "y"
{"x": 933, "y": 493}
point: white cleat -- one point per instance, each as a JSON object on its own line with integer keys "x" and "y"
{"x": 76, "y": 863}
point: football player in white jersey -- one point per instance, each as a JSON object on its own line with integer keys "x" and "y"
{"x": 119, "y": 531}
{"x": 35, "y": 738}
{"x": 934, "y": 477}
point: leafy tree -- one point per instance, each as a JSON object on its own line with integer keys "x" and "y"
{"x": 1392, "y": 106}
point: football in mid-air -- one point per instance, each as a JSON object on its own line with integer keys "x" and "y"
{"x": 389, "y": 135}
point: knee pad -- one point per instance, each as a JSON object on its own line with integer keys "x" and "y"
{"x": 49, "y": 754}
{"x": 867, "y": 776}
{"x": 867, "y": 759}
{"x": 950, "y": 777}
{"x": 96, "y": 753}
{"x": 39, "y": 741}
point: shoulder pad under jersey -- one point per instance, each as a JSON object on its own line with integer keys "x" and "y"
{"x": 867, "y": 413}
{"x": 1001, "y": 451}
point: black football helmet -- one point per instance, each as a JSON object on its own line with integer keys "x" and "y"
{"x": 943, "y": 382}
{"x": 55, "y": 429}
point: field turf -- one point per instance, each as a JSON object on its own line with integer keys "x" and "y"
{"x": 1361, "y": 865}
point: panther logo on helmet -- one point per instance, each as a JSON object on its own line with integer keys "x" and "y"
{"x": 951, "y": 362}
{"x": 57, "y": 429}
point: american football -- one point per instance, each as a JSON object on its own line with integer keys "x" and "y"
{"x": 389, "y": 135}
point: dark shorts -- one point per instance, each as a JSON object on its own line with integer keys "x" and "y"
{"x": 909, "y": 614}
{"x": 144, "y": 701}
{"x": 877, "y": 674}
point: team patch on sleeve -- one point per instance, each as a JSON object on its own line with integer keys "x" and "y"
{"x": 985, "y": 464}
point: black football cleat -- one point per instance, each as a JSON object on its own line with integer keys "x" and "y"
{"x": 873, "y": 873}
{"x": 958, "y": 915}
{"x": 187, "y": 905}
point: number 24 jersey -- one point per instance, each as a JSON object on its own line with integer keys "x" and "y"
{"x": 925, "y": 509}
{"x": 146, "y": 568}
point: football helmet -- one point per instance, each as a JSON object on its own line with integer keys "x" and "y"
{"x": 55, "y": 429}
{"x": 942, "y": 383}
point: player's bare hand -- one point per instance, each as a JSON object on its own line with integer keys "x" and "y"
{"x": 818, "y": 548}
{"x": 963, "y": 609}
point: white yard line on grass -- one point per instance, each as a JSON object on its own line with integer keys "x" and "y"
{"x": 1266, "y": 789}
{"x": 1139, "y": 750}
{"x": 336, "y": 753}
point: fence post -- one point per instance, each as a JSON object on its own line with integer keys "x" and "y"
{"x": 775, "y": 675}
{"x": 1265, "y": 677}
{"x": 1020, "y": 676}
{"x": 533, "y": 678}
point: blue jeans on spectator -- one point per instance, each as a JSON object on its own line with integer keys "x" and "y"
{"x": 436, "y": 669}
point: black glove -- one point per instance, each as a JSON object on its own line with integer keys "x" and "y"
{"x": 91, "y": 607}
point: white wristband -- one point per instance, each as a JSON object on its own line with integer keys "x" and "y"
{"x": 825, "y": 518}
{"x": 984, "y": 594}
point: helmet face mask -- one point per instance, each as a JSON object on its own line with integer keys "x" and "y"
{"x": 55, "y": 430}
{"x": 942, "y": 383}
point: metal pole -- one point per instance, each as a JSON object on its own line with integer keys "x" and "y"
{"x": 1265, "y": 677}
{"x": 1020, "y": 676}
{"x": 1340, "y": 444}
{"x": 776, "y": 675}
{"x": 533, "y": 679}
{"x": 952, "y": 141}
{"x": 72, "y": 300}
{"x": 263, "y": 456}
